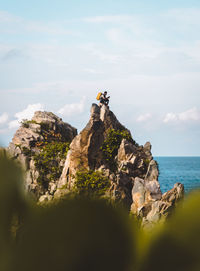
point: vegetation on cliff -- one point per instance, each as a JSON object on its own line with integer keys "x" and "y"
{"x": 47, "y": 161}
{"x": 111, "y": 145}
{"x": 91, "y": 183}
{"x": 41, "y": 145}
{"x": 26, "y": 123}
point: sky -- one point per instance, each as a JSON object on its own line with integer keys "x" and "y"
{"x": 57, "y": 55}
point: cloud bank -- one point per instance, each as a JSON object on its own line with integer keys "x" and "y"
{"x": 3, "y": 118}
{"x": 27, "y": 113}
{"x": 73, "y": 108}
{"x": 192, "y": 114}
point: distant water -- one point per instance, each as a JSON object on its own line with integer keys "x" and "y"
{"x": 185, "y": 170}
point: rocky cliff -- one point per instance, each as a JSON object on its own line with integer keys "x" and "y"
{"x": 40, "y": 145}
{"x": 105, "y": 148}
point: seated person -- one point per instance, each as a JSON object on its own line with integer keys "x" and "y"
{"x": 103, "y": 99}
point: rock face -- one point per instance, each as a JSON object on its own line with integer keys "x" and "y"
{"x": 44, "y": 134}
{"x": 133, "y": 161}
{"x": 85, "y": 150}
{"x": 104, "y": 145}
{"x": 135, "y": 179}
{"x": 152, "y": 212}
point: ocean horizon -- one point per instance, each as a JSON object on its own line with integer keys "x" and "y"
{"x": 182, "y": 169}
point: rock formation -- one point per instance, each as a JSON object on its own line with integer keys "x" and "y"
{"x": 33, "y": 144}
{"x": 135, "y": 178}
{"x": 105, "y": 146}
{"x": 86, "y": 152}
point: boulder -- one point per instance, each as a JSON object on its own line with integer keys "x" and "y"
{"x": 158, "y": 210}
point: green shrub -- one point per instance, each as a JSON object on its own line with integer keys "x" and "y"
{"x": 27, "y": 152}
{"x": 146, "y": 162}
{"x": 44, "y": 126}
{"x": 47, "y": 161}
{"x": 91, "y": 183}
{"x": 25, "y": 123}
{"x": 111, "y": 145}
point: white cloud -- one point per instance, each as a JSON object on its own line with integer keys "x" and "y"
{"x": 51, "y": 28}
{"x": 100, "y": 53}
{"x": 57, "y": 86}
{"x": 170, "y": 117}
{"x": 72, "y": 109}
{"x": 91, "y": 71}
{"x": 192, "y": 114}
{"x": 13, "y": 124}
{"x": 143, "y": 118}
{"x": 3, "y": 118}
{"x": 189, "y": 16}
{"x": 27, "y": 113}
{"x": 109, "y": 19}
{"x": 10, "y": 23}
{"x": 114, "y": 34}
{"x": 6, "y": 17}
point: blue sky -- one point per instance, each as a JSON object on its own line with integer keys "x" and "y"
{"x": 56, "y": 56}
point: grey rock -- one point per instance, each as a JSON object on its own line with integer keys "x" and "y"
{"x": 45, "y": 198}
{"x": 177, "y": 192}
{"x": 152, "y": 172}
{"x": 154, "y": 215}
{"x": 85, "y": 152}
{"x": 95, "y": 112}
{"x": 138, "y": 195}
{"x": 151, "y": 180}
{"x": 27, "y": 142}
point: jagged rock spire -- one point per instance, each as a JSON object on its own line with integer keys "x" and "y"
{"x": 86, "y": 153}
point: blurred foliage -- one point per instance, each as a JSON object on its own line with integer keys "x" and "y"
{"x": 176, "y": 245}
{"x": 91, "y": 183}
{"x": 76, "y": 234}
{"x": 13, "y": 206}
{"x": 83, "y": 233}
{"x": 47, "y": 161}
{"x": 111, "y": 145}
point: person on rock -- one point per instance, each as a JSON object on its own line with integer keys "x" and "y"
{"x": 104, "y": 99}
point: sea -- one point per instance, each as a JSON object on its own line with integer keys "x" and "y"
{"x": 185, "y": 170}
